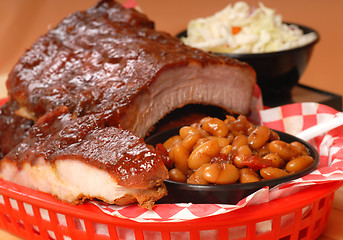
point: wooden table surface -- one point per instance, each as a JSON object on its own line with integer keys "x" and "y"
{"x": 22, "y": 21}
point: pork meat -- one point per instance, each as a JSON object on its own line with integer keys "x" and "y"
{"x": 77, "y": 158}
{"x": 130, "y": 73}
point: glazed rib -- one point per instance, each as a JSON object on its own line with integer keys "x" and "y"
{"x": 13, "y": 128}
{"x": 77, "y": 158}
{"x": 130, "y": 73}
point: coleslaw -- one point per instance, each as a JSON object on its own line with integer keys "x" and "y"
{"x": 241, "y": 29}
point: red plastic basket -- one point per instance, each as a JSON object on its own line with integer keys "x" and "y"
{"x": 32, "y": 214}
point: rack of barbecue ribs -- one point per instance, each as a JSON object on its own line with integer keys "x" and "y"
{"x": 83, "y": 97}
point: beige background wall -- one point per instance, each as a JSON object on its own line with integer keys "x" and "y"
{"x": 22, "y": 21}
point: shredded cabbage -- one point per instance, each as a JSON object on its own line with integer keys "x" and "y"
{"x": 241, "y": 29}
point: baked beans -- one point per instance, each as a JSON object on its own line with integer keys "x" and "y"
{"x": 215, "y": 151}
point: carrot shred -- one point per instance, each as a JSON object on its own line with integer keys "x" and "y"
{"x": 236, "y": 30}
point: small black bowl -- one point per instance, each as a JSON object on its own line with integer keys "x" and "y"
{"x": 277, "y": 72}
{"x": 228, "y": 193}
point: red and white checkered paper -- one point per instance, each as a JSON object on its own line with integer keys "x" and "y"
{"x": 292, "y": 118}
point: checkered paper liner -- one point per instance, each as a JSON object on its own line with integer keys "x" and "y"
{"x": 292, "y": 118}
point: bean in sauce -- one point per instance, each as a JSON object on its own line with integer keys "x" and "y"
{"x": 234, "y": 150}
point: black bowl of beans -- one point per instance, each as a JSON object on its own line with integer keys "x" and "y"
{"x": 224, "y": 161}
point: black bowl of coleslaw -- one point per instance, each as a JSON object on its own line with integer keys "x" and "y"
{"x": 277, "y": 72}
